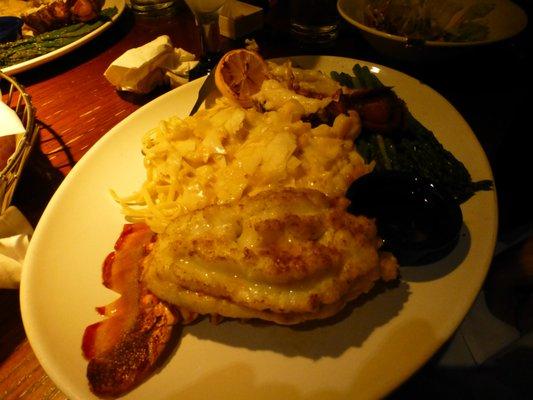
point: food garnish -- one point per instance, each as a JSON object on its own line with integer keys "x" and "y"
{"x": 240, "y": 74}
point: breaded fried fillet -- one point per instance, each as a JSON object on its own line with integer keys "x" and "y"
{"x": 286, "y": 256}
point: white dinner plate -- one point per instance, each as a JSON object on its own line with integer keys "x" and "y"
{"x": 37, "y": 61}
{"x": 363, "y": 353}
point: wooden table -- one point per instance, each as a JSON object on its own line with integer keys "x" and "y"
{"x": 76, "y": 106}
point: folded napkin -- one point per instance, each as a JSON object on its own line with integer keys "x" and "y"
{"x": 10, "y": 121}
{"x": 143, "y": 68}
{"x": 15, "y": 233}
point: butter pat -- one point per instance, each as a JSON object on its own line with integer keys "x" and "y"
{"x": 143, "y": 68}
{"x": 238, "y": 19}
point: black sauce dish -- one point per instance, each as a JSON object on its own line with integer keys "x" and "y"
{"x": 418, "y": 222}
{"x": 10, "y": 28}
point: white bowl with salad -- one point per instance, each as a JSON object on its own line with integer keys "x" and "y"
{"x": 415, "y": 29}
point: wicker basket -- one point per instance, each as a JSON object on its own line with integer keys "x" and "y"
{"x": 14, "y": 95}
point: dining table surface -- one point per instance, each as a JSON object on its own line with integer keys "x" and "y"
{"x": 75, "y": 107}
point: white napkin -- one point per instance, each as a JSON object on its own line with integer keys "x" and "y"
{"x": 15, "y": 234}
{"x": 143, "y": 68}
{"x": 9, "y": 121}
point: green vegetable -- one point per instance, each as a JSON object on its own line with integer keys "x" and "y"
{"x": 361, "y": 79}
{"x": 415, "y": 150}
{"x": 12, "y": 53}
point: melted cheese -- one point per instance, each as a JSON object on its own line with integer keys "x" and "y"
{"x": 286, "y": 254}
{"x": 274, "y": 94}
{"x": 226, "y": 152}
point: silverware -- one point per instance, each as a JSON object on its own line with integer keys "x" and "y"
{"x": 207, "y": 87}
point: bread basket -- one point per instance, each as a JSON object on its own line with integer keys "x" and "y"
{"x": 14, "y": 95}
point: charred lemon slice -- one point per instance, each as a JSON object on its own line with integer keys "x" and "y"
{"x": 239, "y": 75}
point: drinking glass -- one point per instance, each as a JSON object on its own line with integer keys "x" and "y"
{"x": 206, "y": 16}
{"x": 314, "y": 21}
{"x": 153, "y": 8}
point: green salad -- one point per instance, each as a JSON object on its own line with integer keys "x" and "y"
{"x": 434, "y": 20}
